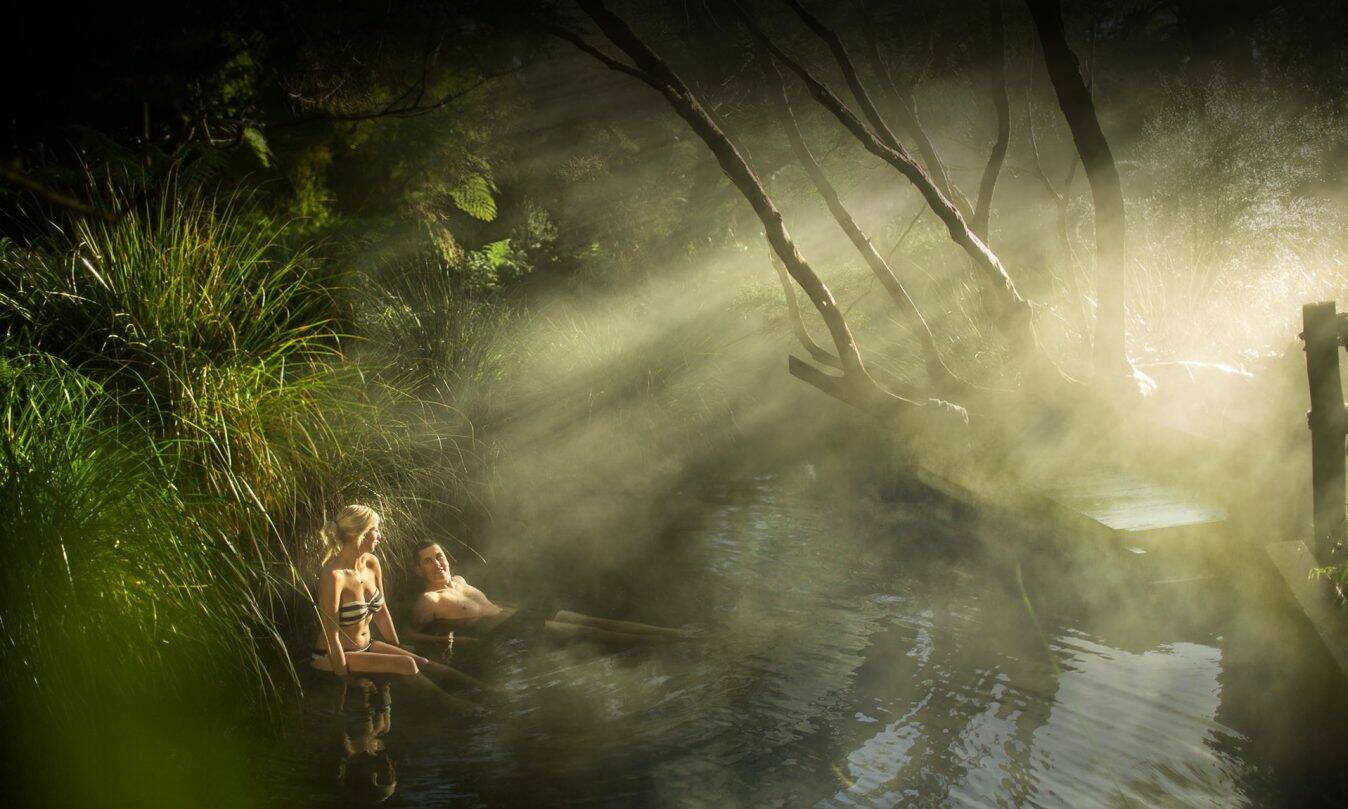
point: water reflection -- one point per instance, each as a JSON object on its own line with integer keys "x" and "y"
{"x": 365, "y": 771}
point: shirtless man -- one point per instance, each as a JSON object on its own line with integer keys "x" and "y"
{"x": 447, "y": 597}
{"x": 453, "y": 600}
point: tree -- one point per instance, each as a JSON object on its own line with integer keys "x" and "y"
{"x": 855, "y": 385}
{"x": 1111, "y": 253}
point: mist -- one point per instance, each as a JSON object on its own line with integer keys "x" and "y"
{"x": 552, "y": 286}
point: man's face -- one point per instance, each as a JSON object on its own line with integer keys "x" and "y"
{"x": 433, "y": 565}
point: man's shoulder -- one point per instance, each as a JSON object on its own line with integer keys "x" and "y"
{"x": 423, "y": 603}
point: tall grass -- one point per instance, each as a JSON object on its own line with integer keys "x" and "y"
{"x": 178, "y": 416}
{"x": 426, "y": 329}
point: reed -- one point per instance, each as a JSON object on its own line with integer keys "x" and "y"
{"x": 180, "y": 411}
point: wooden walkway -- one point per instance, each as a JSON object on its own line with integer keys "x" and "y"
{"x": 1167, "y": 532}
{"x": 1161, "y": 527}
{"x": 1139, "y": 512}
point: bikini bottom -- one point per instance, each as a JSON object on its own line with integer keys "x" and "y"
{"x": 322, "y": 653}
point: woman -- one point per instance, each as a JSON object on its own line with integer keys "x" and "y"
{"x": 351, "y": 598}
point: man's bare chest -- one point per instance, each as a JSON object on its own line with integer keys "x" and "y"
{"x": 453, "y": 603}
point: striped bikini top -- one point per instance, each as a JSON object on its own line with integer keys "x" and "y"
{"x": 353, "y": 612}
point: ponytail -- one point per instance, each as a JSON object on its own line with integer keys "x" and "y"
{"x": 330, "y": 540}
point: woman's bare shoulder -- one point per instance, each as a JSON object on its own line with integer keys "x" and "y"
{"x": 334, "y": 576}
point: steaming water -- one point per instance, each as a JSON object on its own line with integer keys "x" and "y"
{"x": 864, "y": 662}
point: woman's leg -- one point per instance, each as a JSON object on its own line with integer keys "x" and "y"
{"x": 438, "y": 671}
{"x": 371, "y": 663}
{"x": 623, "y": 627}
{"x": 404, "y": 664}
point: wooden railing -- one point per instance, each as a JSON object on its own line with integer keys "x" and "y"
{"x": 1324, "y": 334}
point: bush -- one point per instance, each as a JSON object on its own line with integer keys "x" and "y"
{"x": 178, "y": 417}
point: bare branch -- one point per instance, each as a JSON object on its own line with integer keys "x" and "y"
{"x": 11, "y": 174}
{"x": 608, "y": 61}
{"x": 937, "y": 371}
{"x": 906, "y": 107}
{"x": 997, "y": 48}
{"x": 1014, "y": 315}
{"x": 394, "y": 109}
{"x": 858, "y": 382}
{"x": 817, "y": 352}
{"x": 937, "y": 413}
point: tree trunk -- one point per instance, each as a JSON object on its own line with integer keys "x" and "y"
{"x": 1013, "y": 312}
{"x": 817, "y": 352}
{"x": 937, "y": 372}
{"x": 1106, "y": 192}
{"x": 997, "y": 48}
{"x": 906, "y": 108}
{"x": 856, "y": 386}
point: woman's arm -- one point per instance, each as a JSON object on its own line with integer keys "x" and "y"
{"x": 329, "y": 601}
{"x": 384, "y": 618}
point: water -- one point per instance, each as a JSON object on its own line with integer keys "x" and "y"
{"x": 873, "y": 659}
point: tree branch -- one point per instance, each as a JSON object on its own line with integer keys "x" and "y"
{"x": 906, "y": 107}
{"x": 937, "y": 371}
{"x": 858, "y": 381}
{"x": 1074, "y": 98}
{"x": 817, "y": 352}
{"x": 394, "y": 110}
{"x": 608, "y": 61}
{"x": 997, "y": 47}
{"x": 1014, "y": 317}
{"x": 11, "y": 174}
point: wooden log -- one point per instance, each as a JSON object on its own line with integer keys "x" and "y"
{"x": 1326, "y": 420}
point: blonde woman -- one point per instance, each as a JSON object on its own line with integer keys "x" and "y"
{"x": 351, "y": 598}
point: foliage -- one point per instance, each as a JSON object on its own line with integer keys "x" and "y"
{"x": 1229, "y": 217}
{"x": 179, "y": 414}
{"x": 428, "y": 326}
{"x": 1336, "y": 575}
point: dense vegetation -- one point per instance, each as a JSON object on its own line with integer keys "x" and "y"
{"x": 258, "y": 263}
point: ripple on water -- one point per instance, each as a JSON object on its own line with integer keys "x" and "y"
{"x": 844, "y": 671}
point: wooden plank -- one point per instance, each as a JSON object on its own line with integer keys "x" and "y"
{"x": 1125, "y": 502}
{"x": 1294, "y": 561}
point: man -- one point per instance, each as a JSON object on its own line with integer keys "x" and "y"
{"x": 451, "y": 601}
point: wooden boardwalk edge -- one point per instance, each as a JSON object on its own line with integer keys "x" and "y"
{"x": 1294, "y": 561}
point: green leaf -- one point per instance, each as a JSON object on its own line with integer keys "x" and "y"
{"x": 473, "y": 196}
{"x": 258, "y": 144}
{"x": 497, "y": 252}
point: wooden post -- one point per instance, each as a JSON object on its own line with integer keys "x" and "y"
{"x": 1326, "y": 420}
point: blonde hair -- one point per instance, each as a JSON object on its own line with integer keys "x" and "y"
{"x": 352, "y": 520}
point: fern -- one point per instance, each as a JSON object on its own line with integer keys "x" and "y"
{"x": 257, "y": 143}
{"x": 497, "y": 252}
{"x": 474, "y": 197}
